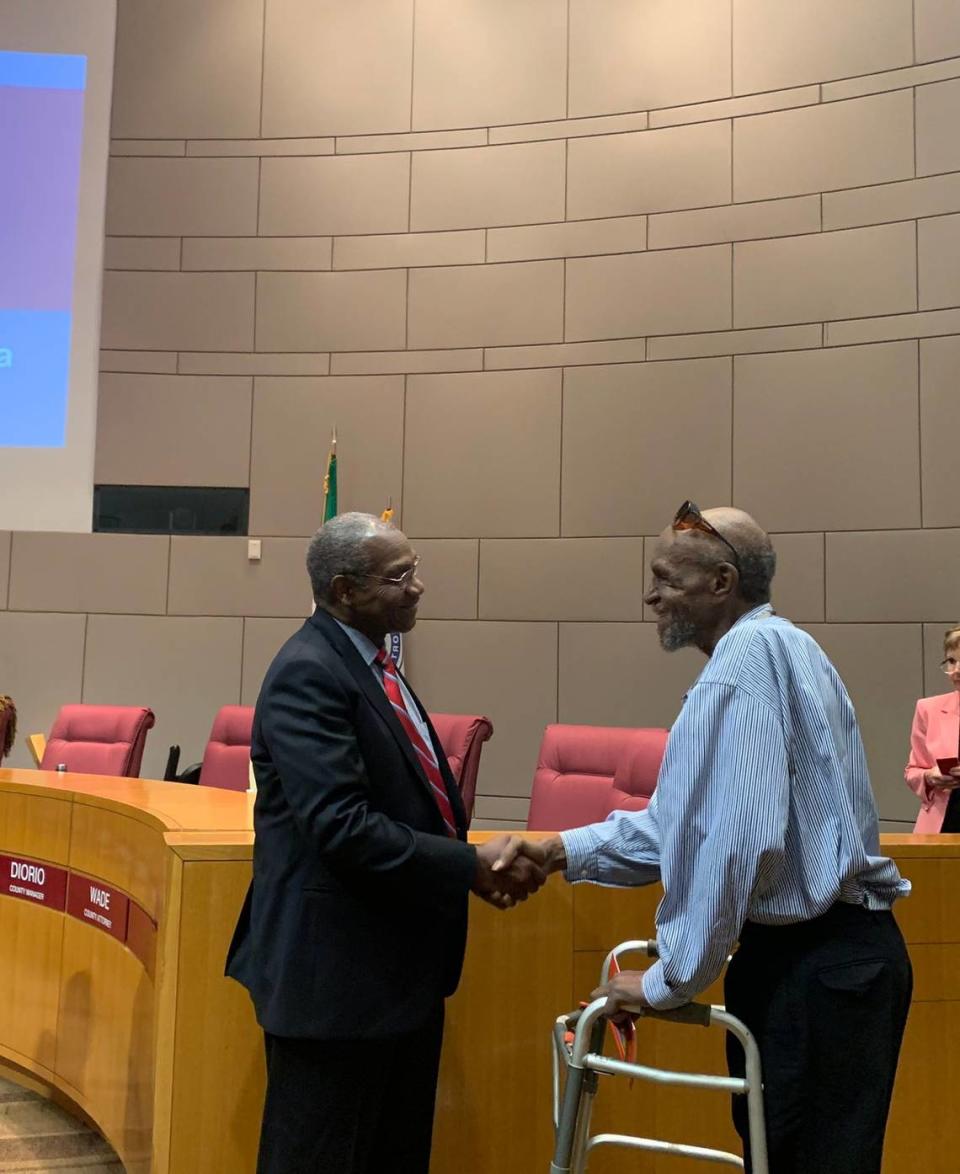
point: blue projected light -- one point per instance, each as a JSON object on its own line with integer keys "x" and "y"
{"x": 41, "y": 113}
{"x": 34, "y": 370}
{"x": 43, "y": 71}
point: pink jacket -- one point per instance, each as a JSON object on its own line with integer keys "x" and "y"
{"x": 935, "y": 734}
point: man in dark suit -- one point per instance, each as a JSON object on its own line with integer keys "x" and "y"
{"x": 353, "y": 931}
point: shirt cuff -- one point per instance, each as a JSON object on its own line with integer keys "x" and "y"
{"x": 581, "y": 852}
{"x": 656, "y": 991}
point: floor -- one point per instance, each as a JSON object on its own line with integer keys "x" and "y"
{"x": 38, "y": 1136}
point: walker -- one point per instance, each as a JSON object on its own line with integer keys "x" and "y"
{"x": 583, "y": 1061}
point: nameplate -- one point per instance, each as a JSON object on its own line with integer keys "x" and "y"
{"x": 99, "y": 905}
{"x": 33, "y": 880}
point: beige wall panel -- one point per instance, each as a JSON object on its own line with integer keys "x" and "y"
{"x": 184, "y": 669}
{"x": 262, "y": 640}
{"x": 912, "y": 575}
{"x": 517, "y": 184}
{"x": 500, "y": 809}
{"x": 214, "y": 577}
{"x": 259, "y": 147}
{"x": 297, "y": 252}
{"x": 449, "y": 572}
{"x": 292, "y": 422}
{"x": 938, "y": 114}
{"x": 569, "y": 128}
{"x": 776, "y": 45}
{"x": 735, "y": 342}
{"x": 167, "y": 147}
{"x": 736, "y": 107}
{"x": 892, "y": 201}
{"x": 798, "y": 585}
{"x": 332, "y": 68}
{"x": 618, "y": 675}
{"x": 139, "y": 362}
{"x": 858, "y": 272}
{"x": 738, "y": 222}
{"x": 938, "y": 261}
{"x": 486, "y": 305}
{"x": 402, "y": 362}
{"x": 202, "y": 85}
{"x": 141, "y": 252}
{"x": 233, "y": 363}
{"x": 41, "y": 667}
{"x": 623, "y": 426}
{"x": 884, "y": 701}
{"x": 840, "y": 145}
{"x": 416, "y": 141}
{"x": 173, "y": 430}
{"x": 933, "y": 322}
{"x": 937, "y": 29}
{"x": 486, "y": 62}
{"x": 408, "y": 249}
{"x": 89, "y": 572}
{"x": 556, "y": 578}
{"x": 507, "y": 671}
{"x": 570, "y": 354}
{"x": 178, "y": 197}
{"x": 630, "y": 56}
{"x": 934, "y": 680}
{"x": 499, "y": 825}
{"x": 335, "y": 194}
{"x": 648, "y": 293}
{"x": 4, "y": 566}
{"x": 895, "y": 79}
{"x": 581, "y": 238}
{"x": 681, "y": 167}
{"x": 939, "y": 430}
{"x": 482, "y": 454}
{"x": 331, "y": 311}
{"x": 864, "y": 400}
{"x": 177, "y": 311}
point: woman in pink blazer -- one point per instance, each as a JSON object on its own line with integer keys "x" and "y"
{"x": 936, "y": 734}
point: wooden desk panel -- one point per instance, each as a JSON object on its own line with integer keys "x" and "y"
{"x": 31, "y": 940}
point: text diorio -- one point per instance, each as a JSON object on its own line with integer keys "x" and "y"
{"x": 33, "y": 874}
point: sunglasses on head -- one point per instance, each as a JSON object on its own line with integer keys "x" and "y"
{"x": 688, "y": 517}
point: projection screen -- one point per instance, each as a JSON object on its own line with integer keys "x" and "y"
{"x": 56, "y": 73}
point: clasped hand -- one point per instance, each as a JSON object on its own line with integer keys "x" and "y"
{"x": 510, "y": 868}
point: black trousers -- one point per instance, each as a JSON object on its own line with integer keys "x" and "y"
{"x": 351, "y": 1106}
{"x": 827, "y": 1001}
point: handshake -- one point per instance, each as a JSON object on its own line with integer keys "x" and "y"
{"x": 510, "y": 868}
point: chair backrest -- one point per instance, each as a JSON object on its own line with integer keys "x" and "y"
{"x": 635, "y": 778}
{"x": 8, "y": 725}
{"x": 98, "y": 739}
{"x": 585, "y": 772}
{"x": 462, "y": 736}
{"x": 226, "y": 760}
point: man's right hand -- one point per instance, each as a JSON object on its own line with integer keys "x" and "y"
{"x": 505, "y": 875}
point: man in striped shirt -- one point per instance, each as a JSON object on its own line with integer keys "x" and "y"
{"x": 763, "y": 830}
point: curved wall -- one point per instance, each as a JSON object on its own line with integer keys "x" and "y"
{"x": 551, "y": 267}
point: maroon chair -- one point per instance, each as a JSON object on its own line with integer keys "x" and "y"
{"x": 635, "y": 778}
{"x": 226, "y": 760}
{"x": 98, "y": 739}
{"x": 585, "y": 772}
{"x": 462, "y": 737}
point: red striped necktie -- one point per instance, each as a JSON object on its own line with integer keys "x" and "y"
{"x": 424, "y": 751}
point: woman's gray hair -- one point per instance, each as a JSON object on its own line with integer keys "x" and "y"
{"x": 339, "y": 547}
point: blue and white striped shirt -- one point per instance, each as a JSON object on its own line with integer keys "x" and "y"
{"x": 763, "y": 808}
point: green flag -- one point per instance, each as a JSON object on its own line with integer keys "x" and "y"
{"x": 330, "y": 482}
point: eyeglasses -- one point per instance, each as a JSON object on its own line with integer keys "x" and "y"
{"x": 403, "y": 581}
{"x": 949, "y": 665}
{"x": 688, "y": 517}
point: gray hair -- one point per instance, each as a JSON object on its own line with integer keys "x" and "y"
{"x": 757, "y": 568}
{"x": 339, "y": 547}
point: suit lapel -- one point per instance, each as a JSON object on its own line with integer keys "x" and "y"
{"x": 374, "y": 693}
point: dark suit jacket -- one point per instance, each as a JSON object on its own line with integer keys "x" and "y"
{"x": 355, "y": 922}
